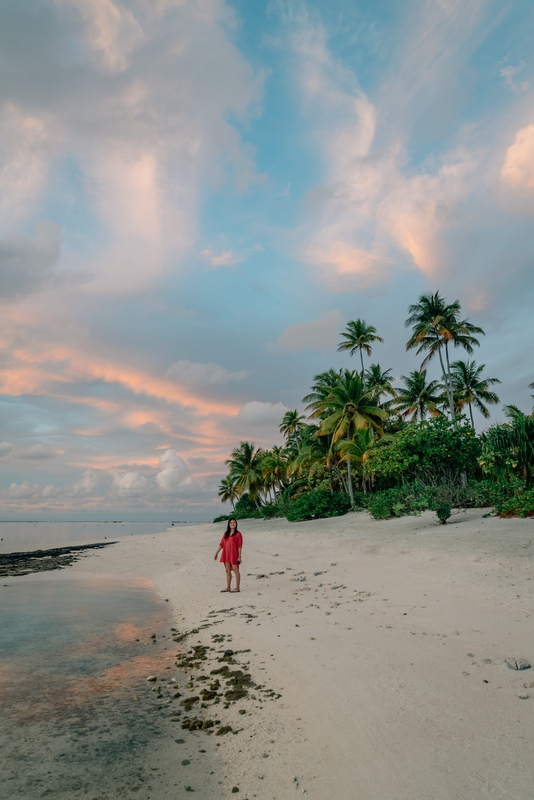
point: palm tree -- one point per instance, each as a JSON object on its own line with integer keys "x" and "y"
{"x": 359, "y": 336}
{"x": 379, "y": 383}
{"x": 435, "y": 324}
{"x": 321, "y": 388}
{"x": 291, "y": 424}
{"x": 471, "y": 389}
{"x": 245, "y": 470}
{"x": 531, "y": 386}
{"x": 274, "y": 468}
{"x": 359, "y": 447}
{"x": 348, "y": 407}
{"x": 417, "y": 397}
{"x": 354, "y": 451}
{"x": 227, "y": 490}
{"x": 312, "y": 452}
{"x": 322, "y": 385}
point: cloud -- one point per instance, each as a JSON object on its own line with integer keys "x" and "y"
{"x": 378, "y": 210}
{"x": 509, "y": 73}
{"x": 174, "y": 472}
{"x": 88, "y": 483}
{"x": 201, "y": 374}
{"x": 518, "y": 168}
{"x": 130, "y": 484}
{"x": 35, "y": 451}
{"x": 259, "y": 413}
{"x": 25, "y": 490}
{"x": 112, "y": 32}
{"x": 225, "y": 259}
{"x": 130, "y": 106}
{"x": 26, "y": 150}
{"x": 26, "y": 264}
{"x": 317, "y": 334}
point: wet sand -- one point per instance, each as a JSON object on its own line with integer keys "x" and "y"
{"x": 379, "y": 649}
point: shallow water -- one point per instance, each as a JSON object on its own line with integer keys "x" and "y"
{"x": 20, "y": 536}
{"x": 77, "y": 716}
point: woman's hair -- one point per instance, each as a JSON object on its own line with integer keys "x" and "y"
{"x": 228, "y": 531}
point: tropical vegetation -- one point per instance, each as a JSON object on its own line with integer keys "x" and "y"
{"x": 366, "y": 440}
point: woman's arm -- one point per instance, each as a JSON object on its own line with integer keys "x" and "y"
{"x": 217, "y": 553}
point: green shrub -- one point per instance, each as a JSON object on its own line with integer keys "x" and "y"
{"x": 272, "y": 510}
{"x": 245, "y": 508}
{"x": 443, "y": 510}
{"x": 398, "y": 502}
{"x": 222, "y": 518}
{"x": 318, "y": 504}
{"x": 520, "y": 504}
{"x": 437, "y": 450}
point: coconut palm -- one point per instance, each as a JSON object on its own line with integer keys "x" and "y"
{"x": 313, "y": 451}
{"x": 358, "y": 448}
{"x": 321, "y": 387}
{"x": 274, "y": 468}
{"x": 245, "y": 470}
{"x": 354, "y": 451}
{"x": 379, "y": 383}
{"x": 531, "y": 386}
{"x": 436, "y": 324}
{"x": 347, "y": 407}
{"x": 227, "y": 490}
{"x": 471, "y": 389}
{"x": 292, "y": 424}
{"x": 358, "y": 335}
{"x": 417, "y": 397}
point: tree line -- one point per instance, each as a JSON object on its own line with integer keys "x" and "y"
{"x": 359, "y": 432}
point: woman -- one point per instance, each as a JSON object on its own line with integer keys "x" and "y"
{"x": 231, "y": 544}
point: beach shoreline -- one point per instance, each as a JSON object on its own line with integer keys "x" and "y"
{"x": 386, "y": 642}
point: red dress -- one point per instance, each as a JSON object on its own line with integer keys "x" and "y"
{"x": 230, "y": 548}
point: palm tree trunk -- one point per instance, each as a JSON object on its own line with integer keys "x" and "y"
{"x": 349, "y": 472}
{"x": 447, "y": 385}
{"x": 349, "y": 483}
{"x": 330, "y": 478}
{"x": 361, "y": 359}
{"x": 471, "y": 415}
{"x": 342, "y": 480}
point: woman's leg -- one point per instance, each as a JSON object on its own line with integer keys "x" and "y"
{"x": 235, "y": 568}
{"x": 228, "y": 568}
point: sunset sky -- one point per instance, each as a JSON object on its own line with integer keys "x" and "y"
{"x": 197, "y": 195}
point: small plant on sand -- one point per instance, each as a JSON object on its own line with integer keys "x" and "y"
{"x": 443, "y": 510}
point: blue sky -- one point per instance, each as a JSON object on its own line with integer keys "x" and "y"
{"x": 197, "y": 196}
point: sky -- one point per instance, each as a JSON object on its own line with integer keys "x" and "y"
{"x": 196, "y": 196}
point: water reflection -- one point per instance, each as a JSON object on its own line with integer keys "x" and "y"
{"x": 77, "y": 718}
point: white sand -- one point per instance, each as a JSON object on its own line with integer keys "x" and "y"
{"x": 393, "y": 684}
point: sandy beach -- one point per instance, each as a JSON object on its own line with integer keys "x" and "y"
{"x": 386, "y": 642}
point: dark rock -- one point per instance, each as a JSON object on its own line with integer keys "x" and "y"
{"x": 517, "y": 663}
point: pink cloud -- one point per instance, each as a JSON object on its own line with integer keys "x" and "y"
{"x": 518, "y": 168}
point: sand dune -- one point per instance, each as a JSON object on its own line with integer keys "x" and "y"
{"x": 386, "y": 641}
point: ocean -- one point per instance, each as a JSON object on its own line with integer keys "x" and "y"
{"x": 19, "y": 536}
